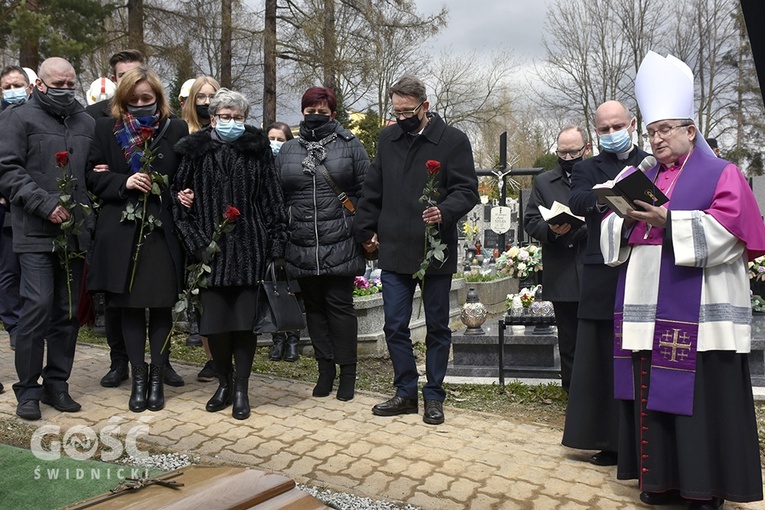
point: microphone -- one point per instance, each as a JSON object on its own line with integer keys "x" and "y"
{"x": 647, "y": 163}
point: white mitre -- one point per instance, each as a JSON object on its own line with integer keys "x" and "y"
{"x": 664, "y": 90}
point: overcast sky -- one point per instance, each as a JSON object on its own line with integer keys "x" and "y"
{"x": 484, "y": 24}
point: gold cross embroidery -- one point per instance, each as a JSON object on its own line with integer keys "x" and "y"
{"x": 673, "y": 349}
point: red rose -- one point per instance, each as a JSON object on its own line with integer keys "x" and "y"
{"x": 231, "y": 214}
{"x": 433, "y": 167}
{"x": 145, "y": 133}
{"x": 62, "y": 159}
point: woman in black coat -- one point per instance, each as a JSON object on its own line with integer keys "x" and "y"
{"x": 322, "y": 252}
{"x": 153, "y": 279}
{"x": 230, "y": 165}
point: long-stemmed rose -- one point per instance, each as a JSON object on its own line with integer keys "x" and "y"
{"x": 72, "y": 226}
{"x": 131, "y": 212}
{"x": 434, "y": 248}
{"x": 197, "y": 273}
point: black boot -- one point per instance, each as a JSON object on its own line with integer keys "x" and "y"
{"x": 277, "y": 350}
{"x": 222, "y": 397}
{"x": 292, "y": 353}
{"x": 194, "y": 339}
{"x": 156, "y": 397}
{"x": 327, "y": 372}
{"x": 346, "y": 389}
{"x": 137, "y": 401}
{"x": 241, "y": 399}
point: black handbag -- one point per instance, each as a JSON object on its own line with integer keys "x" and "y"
{"x": 278, "y": 307}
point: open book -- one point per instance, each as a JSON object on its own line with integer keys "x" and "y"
{"x": 558, "y": 214}
{"x": 629, "y": 185}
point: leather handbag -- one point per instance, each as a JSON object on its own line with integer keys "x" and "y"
{"x": 278, "y": 307}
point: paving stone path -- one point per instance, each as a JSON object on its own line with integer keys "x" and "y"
{"x": 473, "y": 461}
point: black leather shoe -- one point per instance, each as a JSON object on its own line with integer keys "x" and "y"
{"x": 604, "y": 458}
{"x": 277, "y": 349}
{"x": 115, "y": 376}
{"x": 194, "y": 340}
{"x": 28, "y": 409}
{"x": 222, "y": 397}
{"x": 395, "y": 406}
{"x": 292, "y": 351}
{"x": 1, "y": 388}
{"x": 171, "y": 377}
{"x": 434, "y": 412}
{"x": 660, "y": 498}
{"x": 709, "y": 504}
{"x": 61, "y": 401}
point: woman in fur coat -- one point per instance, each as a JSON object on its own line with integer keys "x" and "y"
{"x": 230, "y": 165}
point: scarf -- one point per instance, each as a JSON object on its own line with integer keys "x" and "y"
{"x": 317, "y": 152}
{"x": 126, "y": 130}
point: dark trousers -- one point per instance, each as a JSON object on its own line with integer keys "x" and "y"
{"x": 134, "y": 332}
{"x": 330, "y": 317}
{"x": 567, "y": 322}
{"x": 113, "y": 327}
{"x": 45, "y": 318}
{"x": 398, "y": 295}
{"x": 10, "y": 279}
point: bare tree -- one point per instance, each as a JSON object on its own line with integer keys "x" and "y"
{"x": 269, "y": 64}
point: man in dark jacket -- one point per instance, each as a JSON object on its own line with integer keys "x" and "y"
{"x": 51, "y": 122}
{"x": 119, "y": 63}
{"x": 563, "y": 243}
{"x": 592, "y": 416}
{"x": 392, "y": 217}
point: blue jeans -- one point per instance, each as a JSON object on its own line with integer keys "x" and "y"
{"x": 45, "y": 319}
{"x": 398, "y": 295}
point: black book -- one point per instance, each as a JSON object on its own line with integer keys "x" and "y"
{"x": 631, "y": 184}
{"x": 558, "y": 214}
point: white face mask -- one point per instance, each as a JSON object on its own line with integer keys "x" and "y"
{"x": 14, "y": 96}
{"x": 275, "y": 146}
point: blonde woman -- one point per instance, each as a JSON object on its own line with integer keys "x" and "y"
{"x": 196, "y": 108}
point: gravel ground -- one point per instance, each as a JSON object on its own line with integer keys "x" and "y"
{"x": 333, "y": 499}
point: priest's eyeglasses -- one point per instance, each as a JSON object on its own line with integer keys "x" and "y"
{"x": 572, "y": 154}
{"x": 663, "y": 132}
{"x": 406, "y": 114}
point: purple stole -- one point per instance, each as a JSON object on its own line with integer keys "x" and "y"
{"x": 673, "y": 357}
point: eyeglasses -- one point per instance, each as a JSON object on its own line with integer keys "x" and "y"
{"x": 201, "y": 97}
{"x": 663, "y": 132}
{"x": 239, "y": 119}
{"x": 405, "y": 114}
{"x": 574, "y": 153}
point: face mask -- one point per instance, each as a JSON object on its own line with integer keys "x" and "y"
{"x": 229, "y": 131}
{"x": 568, "y": 164}
{"x": 14, "y": 96}
{"x": 315, "y": 120}
{"x": 203, "y": 111}
{"x": 409, "y": 125}
{"x": 142, "y": 111}
{"x": 64, "y": 97}
{"x": 275, "y": 146}
{"x": 616, "y": 142}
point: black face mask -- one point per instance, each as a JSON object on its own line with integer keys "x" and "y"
{"x": 568, "y": 164}
{"x": 409, "y": 125}
{"x": 315, "y": 120}
{"x": 203, "y": 111}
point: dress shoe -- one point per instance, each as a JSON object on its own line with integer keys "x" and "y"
{"x": 660, "y": 498}
{"x": 709, "y": 504}
{"x": 28, "y": 409}
{"x": 171, "y": 377}
{"x": 240, "y": 399}
{"x": 194, "y": 340}
{"x": 115, "y": 376}
{"x": 61, "y": 401}
{"x": 434, "y": 412}
{"x": 1, "y": 388}
{"x": 604, "y": 458}
{"x": 207, "y": 373}
{"x": 13, "y": 343}
{"x": 155, "y": 395}
{"x": 395, "y": 406}
{"x": 277, "y": 349}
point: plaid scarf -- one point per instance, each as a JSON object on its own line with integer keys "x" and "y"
{"x": 317, "y": 152}
{"x": 126, "y": 131}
